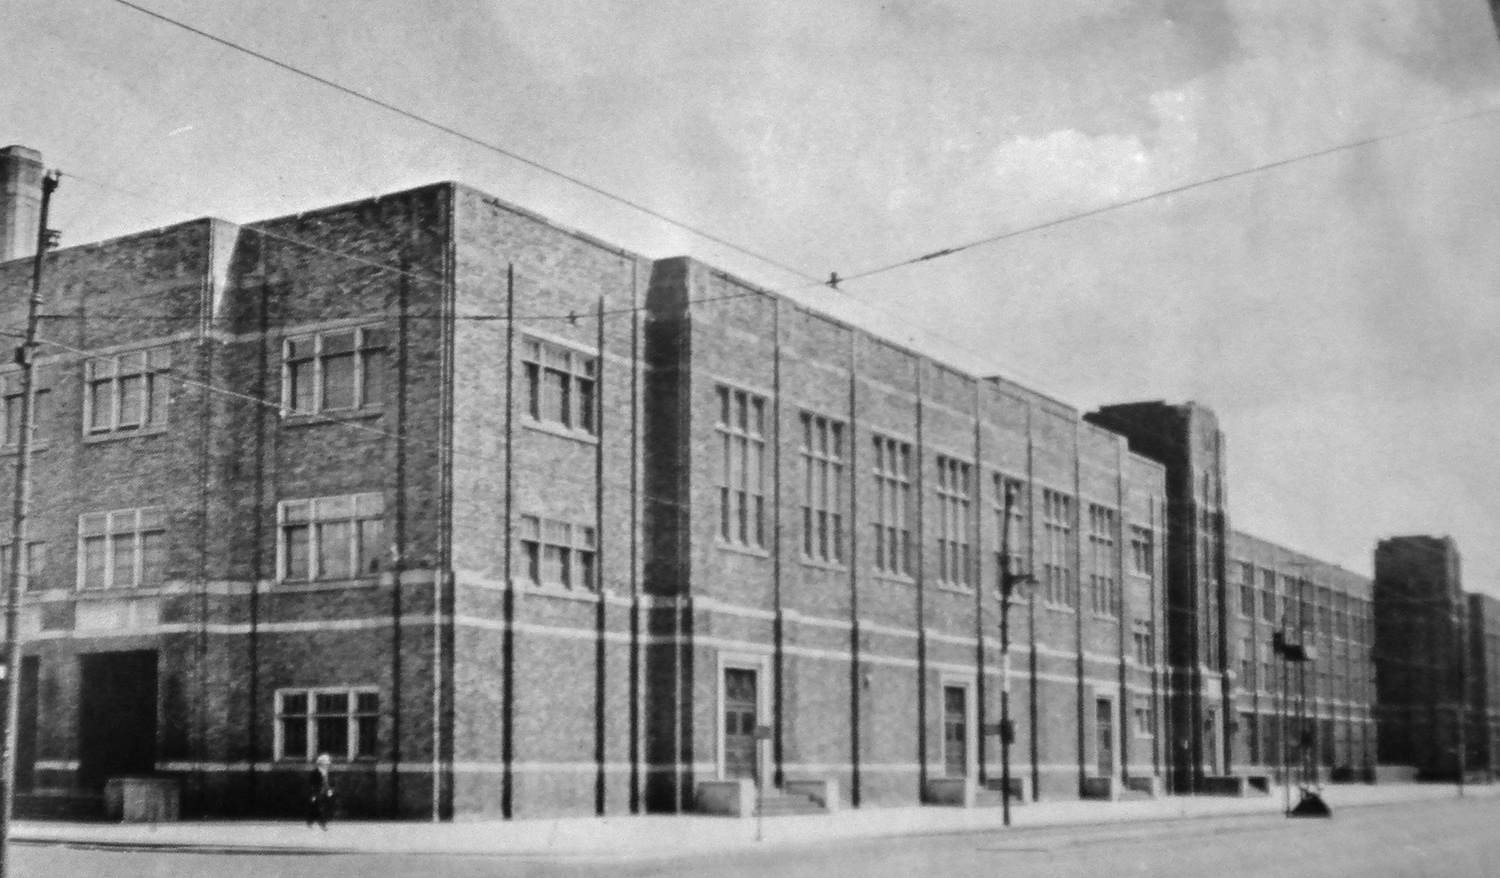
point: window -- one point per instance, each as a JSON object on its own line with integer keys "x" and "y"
{"x": 822, "y": 488}
{"x": 122, "y": 549}
{"x": 1145, "y": 722}
{"x": 330, "y": 537}
{"x": 1057, "y": 528}
{"x": 1289, "y": 591}
{"x": 1247, "y": 590}
{"x": 127, "y": 391}
{"x": 1252, "y": 736}
{"x": 1012, "y": 532}
{"x": 1268, "y": 595}
{"x": 1142, "y": 550}
{"x": 33, "y": 566}
{"x": 1247, "y": 663}
{"x": 340, "y": 722}
{"x": 560, "y": 385}
{"x": 742, "y": 499}
{"x": 892, "y": 506}
{"x": 556, "y": 553}
{"x": 953, "y": 498}
{"x": 1145, "y": 652}
{"x": 1104, "y": 583}
{"x": 15, "y": 402}
{"x": 332, "y": 371}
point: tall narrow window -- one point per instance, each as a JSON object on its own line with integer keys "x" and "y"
{"x": 1059, "y": 585}
{"x": 954, "y": 538}
{"x": 127, "y": 391}
{"x": 336, "y": 370}
{"x": 822, "y": 488}
{"x": 893, "y": 512}
{"x": 742, "y": 450}
{"x": 330, "y": 537}
{"x": 1268, "y": 595}
{"x": 1104, "y": 578}
{"x": 1014, "y": 536}
{"x": 560, "y": 385}
{"x": 1142, "y": 551}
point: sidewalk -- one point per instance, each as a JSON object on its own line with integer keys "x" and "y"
{"x": 657, "y": 836}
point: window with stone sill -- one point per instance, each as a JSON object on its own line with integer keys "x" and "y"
{"x": 560, "y": 385}
{"x": 342, "y": 722}
{"x": 329, "y": 538}
{"x": 127, "y": 392}
{"x": 15, "y": 401}
{"x": 556, "y": 553}
{"x": 33, "y": 565}
{"x": 333, "y": 371}
{"x": 123, "y": 548}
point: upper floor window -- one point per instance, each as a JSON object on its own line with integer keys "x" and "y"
{"x": 33, "y": 565}
{"x": 329, "y": 537}
{"x": 1104, "y": 581}
{"x": 341, "y": 722}
{"x": 892, "y": 506}
{"x": 127, "y": 391}
{"x": 1141, "y": 635}
{"x": 1247, "y": 590}
{"x": 742, "y": 451}
{"x": 1010, "y": 492}
{"x": 124, "y": 548}
{"x": 10, "y": 387}
{"x": 557, "y": 553}
{"x": 955, "y": 563}
{"x": 1058, "y": 583}
{"x": 334, "y": 370}
{"x": 1142, "y": 550}
{"x": 822, "y": 488}
{"x": 560, "y": 385}
{"x": 1268, "y": 595}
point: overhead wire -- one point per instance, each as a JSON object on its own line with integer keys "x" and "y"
{"x": 464, "y": 136}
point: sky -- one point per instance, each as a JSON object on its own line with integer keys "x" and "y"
{"x": 1340, "y": 314}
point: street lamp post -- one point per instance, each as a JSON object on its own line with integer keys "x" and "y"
{"x": 1011, "y": 584}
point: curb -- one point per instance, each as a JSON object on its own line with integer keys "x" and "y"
{"x": 1031, "y": 831}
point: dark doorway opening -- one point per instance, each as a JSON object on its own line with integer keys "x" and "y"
{"x": 26, "y": 724}
{"x": 116, "y": 716}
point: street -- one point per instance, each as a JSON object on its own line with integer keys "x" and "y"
{"x": 1451, "y": 838}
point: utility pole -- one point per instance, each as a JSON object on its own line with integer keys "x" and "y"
{"x": 1009, "y": 583}
{"x": 26, "y": 358}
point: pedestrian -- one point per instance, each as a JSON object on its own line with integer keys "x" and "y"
{"x": 320, "y": 792}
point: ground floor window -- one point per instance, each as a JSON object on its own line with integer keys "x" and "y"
{"x": 341, "y": 722}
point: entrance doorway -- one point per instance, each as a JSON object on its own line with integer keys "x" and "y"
{"x": 741, "y": 715}
{"x": 956, "y": 731}
{"x": 1104, "y": 751}
{"x": 1211, "y": 742}
{"x": 26, "y": 723}
{"x": 116, "y": 716}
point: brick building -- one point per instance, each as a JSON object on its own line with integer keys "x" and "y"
{"x": 1229, "y": 595}
{"x": 513, "y": 522}
{"x": 1420, "y": 627}
{"x": 1330, "y": 697}
{"x": 1482, "y": 675}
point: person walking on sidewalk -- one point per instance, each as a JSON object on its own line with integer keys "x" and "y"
{"x": 320, "y": 793}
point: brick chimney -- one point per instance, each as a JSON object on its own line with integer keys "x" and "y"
{"x": 20, "y": 201}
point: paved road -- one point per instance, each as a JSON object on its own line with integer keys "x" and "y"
{"x": 1443, "y": 839}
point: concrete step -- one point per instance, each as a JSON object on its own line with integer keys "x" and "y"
{"x": 776, "y": 803}
{"x": 59, "y": 805}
